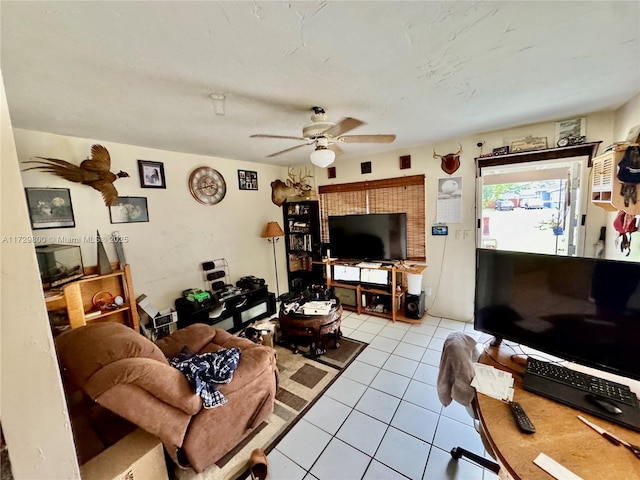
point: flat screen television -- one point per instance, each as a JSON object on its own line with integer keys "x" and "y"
{"x": 375, "y": 236}
{"x": 585, "y": 310}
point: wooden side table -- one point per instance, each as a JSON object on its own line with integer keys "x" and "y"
{"x": 297, "y": 328}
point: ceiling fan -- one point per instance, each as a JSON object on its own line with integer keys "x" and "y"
{"x": 326, "y": 136}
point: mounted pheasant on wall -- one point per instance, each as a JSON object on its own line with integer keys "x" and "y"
{"x": 93, "y": 171}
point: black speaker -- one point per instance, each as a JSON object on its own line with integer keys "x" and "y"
{"x": 414, "y": 306}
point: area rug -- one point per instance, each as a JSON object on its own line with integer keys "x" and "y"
{"x": 301, "y": 382}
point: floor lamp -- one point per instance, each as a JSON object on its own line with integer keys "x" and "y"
{"x": 272, "y": 232}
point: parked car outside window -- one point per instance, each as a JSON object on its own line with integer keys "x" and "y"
{"x": 503, "y": 204}
{"x": 531, "y": 203}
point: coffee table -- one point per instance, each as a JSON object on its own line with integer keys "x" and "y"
{"x": 297, "y": 328}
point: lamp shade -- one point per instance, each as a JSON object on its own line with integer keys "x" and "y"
{"x": 322, "y": 157}
{"x": 272, "y": 229}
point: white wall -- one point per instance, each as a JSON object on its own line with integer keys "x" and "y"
{"x": 33, "y": 408}
{"x": 166, "y": 253}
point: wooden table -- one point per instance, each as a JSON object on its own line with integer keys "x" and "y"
{"x": 559, "y": 434}
{"x": 297, "y": 327}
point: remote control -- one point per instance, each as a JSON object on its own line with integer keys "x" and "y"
{"x": 522, "y": 420}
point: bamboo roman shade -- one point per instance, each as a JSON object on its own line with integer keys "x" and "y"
{"x": 393, "y": 195}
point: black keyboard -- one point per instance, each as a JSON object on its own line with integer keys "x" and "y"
{"x": 582, "y": 381}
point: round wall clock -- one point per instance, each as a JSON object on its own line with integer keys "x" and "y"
{"x": 207, "y": 185}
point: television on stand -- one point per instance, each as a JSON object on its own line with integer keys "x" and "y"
{"x": 371, "y": 237}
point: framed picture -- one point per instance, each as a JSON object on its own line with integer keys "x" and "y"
{"x": 365, "y": 167}
{"x": 151, "y": 174}
{"x": 331, "y": 172}
{"x": 129, "y": 210}
{"x": 405, "y": 162}
{"x": 572, "y": 129}
{"x": 50, "y": 208}
{"x": 528, "y": 144}
{"x": 247, "y": 180}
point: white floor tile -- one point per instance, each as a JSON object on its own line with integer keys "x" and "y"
{"x": 392, "y": 383}
{"x": 416, "y": 421}
{"x": 401, "y": 365}
{"x": 384, "y": 344}
{"x": 370, "y": 327}
{"x": 423, "y": 395}
{"x": 391, "y": 332}
{"x": 379, "y": 320}
{"x": 442, "y": 466}
{"x": 378, "y": 471}
{"x": 308, "y": 477}
{"x": 346, "y": 391}
{"x": 351, "y": 322}
{"x": 451, "y": 433}
{"x": 431, "y": 357}
{"x": 346, "y": 331}
{"x": 457, "y": 412}
{"x": 418, "y": 339}
{"x": 362, "y": 336}
{"x": 328, "y": 414}
{"x": 407, "y": 350}
{"x": 424, "y": 329}
{"x": 340, "y": 460}
{"x": 403, "y": 453}
{"x": 426, "y": 374}
{"x": 373, "y": 356}
{"x": 400, "y": 325}
{"x": 304, "y": 443}
{"x": 378, "y": 404}
{"x": 429, "y": 320}
{"x": 442, "y": 332}
{"x": 361, "y": 372}
{"x": 283, "y": 467}
{"x": 454, "y": 324}
{"x": 362, "y": 432}
{"x": 436, "y": 344}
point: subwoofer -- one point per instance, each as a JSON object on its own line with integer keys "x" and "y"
{"x": 414, "y": 306}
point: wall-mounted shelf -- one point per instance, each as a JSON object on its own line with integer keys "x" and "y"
{"x": 584, "y": 149}
{"x": 605, "y": 186}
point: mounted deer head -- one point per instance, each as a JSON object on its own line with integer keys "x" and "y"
{"x": 450, "y": 162}
{"x": 291, "y": 187}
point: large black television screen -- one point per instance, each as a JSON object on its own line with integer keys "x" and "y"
{"x": 376, "y": 236}
{"x": 584, "y": 310}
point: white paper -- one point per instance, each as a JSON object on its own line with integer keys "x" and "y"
{"x": 554, "y": 469}
{"x": 492, "y": 382}
{"x": 449, "y": 204}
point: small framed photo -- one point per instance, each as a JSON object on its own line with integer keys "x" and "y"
{"x": 571, "y": 131}
{"x": 247, "y": 180}
{"x": 331, "y": 172}
{"x": 528, "y": 144}
{"x": 129, "y": 210}
{"x": 365, "y": 167}
{"x": 405, "y": 162}
{"x": 151, "y": 174}
{"x": 50, "y": 208}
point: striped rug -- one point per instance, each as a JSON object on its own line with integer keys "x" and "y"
{"x": 301, "y": 382}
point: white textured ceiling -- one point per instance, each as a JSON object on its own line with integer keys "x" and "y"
{"x": 141, "y": 72}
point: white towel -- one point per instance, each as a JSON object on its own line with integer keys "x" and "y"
{"x": 456, "y": 370}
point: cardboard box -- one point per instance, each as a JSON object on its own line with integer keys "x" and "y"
{"x": 138, "y": 456}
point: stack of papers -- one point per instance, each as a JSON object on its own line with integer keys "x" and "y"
{"x": 493, "y": 382}
{"x": 317, "y": 308}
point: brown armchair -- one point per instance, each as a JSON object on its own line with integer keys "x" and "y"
{"x": 128, "y": 374}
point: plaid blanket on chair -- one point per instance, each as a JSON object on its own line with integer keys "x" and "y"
{"x": 208, "y": 370}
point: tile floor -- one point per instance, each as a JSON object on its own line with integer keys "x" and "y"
{"x": 382, "y": 418}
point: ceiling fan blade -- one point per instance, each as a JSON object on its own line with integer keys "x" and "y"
{"x": 335, "y": 148}
{"x": 343, "y": 126}
{"x": 288, "y": 150}
{"x": 261, "y": 135}
{"x": 366, "y": 138}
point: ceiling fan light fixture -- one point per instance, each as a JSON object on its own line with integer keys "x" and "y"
{"x": 322, "y": 157}
{"x": 218, "y": 103}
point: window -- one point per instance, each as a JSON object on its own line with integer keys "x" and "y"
{"x": 393, "y": 195}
